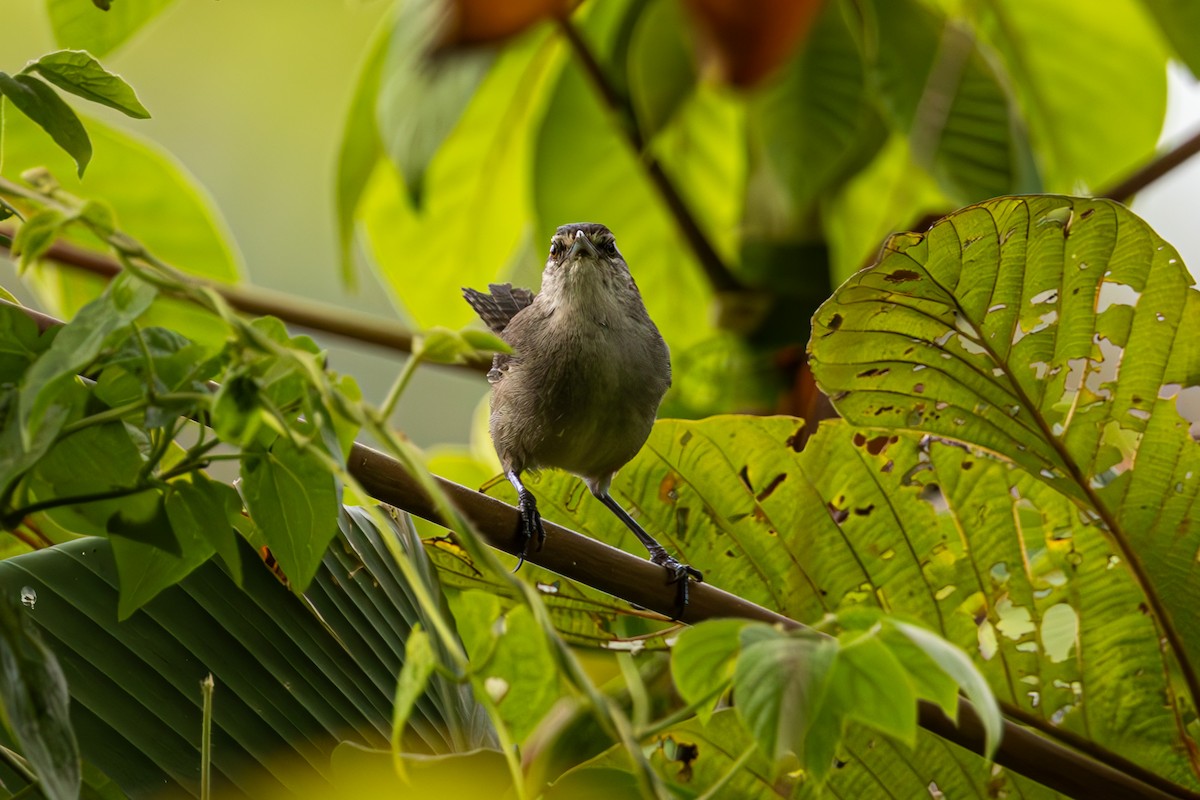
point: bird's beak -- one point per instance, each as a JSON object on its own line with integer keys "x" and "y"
{"x": 581, "y": 244}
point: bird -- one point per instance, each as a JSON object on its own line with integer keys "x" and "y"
{"x": 582, "y": 387}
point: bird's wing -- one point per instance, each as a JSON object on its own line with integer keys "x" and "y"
{"x": 498, "y": 308}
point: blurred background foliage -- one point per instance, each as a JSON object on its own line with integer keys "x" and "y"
{"x": 749, "y": 157}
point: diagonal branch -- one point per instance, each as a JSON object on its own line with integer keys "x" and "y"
{"x": 718, "y": 274}
{"x": 638, "y": 581}
{"x": 1142, "y": 177}
{"x": 370, "y": 329}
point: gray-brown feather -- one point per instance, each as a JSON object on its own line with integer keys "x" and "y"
{"x": 498, "y": 308}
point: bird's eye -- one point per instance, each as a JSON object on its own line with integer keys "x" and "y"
{"x": 610, "y": 248}
{"x": 554, "y": 249}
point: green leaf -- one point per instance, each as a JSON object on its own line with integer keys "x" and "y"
{"x": 867, "y": 683}
{"x": 294, "y": 676}
{"x": 293, "y": 499}
{"x": 1094, "y": 100}
{"x": 510, "y": 658}
{"x": 421, "y": 98}
{"x": 780, "y": 681}
{"x": 76, "y": 25}
{"x": 43, "y": 105}
{"x": 958, "y": 666}
{"x": 77, "y": 344}
{"x": 77, "y": 72}
{"x": 200, "y": 510}
{"x": 946, "y": 95}
{"x": 20, "y": 343}
{"x": 702, "y": 662}
{"x": 1176, "y": 18}
{"x": 662, "y": 69}
{"x": 35, "y": 703}
{"x": 37, "y": 234}
{"x": 457, "y": 208}
{"x": 1049, "y": 333}
{"x": 817, "y": 122}
{"x": 419, "y": 664}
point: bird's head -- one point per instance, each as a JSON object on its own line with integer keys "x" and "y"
{"x": 583, "y": 256}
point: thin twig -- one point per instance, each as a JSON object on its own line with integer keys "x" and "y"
{"x": 718, "y": 274}
{"x": 308, "y": 314}
{"x": 642, "y": 583}
{"x": 1125, "y": 189}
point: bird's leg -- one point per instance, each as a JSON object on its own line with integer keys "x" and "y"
{"x": 679, "y": 572}
{"x": 531, "y": 520}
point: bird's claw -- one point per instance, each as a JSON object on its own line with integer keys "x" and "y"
{"x": 531, "y": 525}
{"x": 681, "y": 575}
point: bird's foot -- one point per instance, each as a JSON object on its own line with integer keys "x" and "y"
{"x": 679, "y": 574}
{"x": 531, "y": 525}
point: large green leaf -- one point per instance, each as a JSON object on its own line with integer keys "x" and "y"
{"x": 1179, "y": 19}
{"x": 1054, "y": 334}
{"x": 475, "y": 210}
{"x": 941, "y": 89}
{"x": 919, "y": 528}
{"x": 294, "y": 676}
{"x": 1091, "y": 82}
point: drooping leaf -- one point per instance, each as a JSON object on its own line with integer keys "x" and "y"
{"x": 419, "y": 664}
{"x": 79, "y": 26}
{"x": 781, "y": 682}
{"x": 293, "y": 499}
{"x": 662, "y": 69}
{"x": 77, "y": 72}
{"x": 421, "y": 98}
{"x": 42, "y": 104}
{"x": 34, "y": 702}
{"x": 817, "y": 121}
{"x": 458, "y": 208}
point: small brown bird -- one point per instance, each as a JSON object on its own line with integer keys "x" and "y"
{"x": 583, "y": 384}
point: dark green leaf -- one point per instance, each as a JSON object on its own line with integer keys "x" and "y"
{"x": 236, "y": 414}
{"x": 201, "y": 509}
{"x": 662, "y": 69}
{"x": 702, "y": 661}
{"x": 817, "y": 123}
{"x": 294, "y": 676}
{"x": 1178, "y": 19}
{"x": 780, "y": 682}
{"x": 36, "y": 234}
{"x": 78, "y": 343}
{"x": 142, "y": 518}
{"x": 76, "y": 25}
{"x": 942, "y": 91}
{"x": 43, "y": 105}
{"x": 293, "y": 499}
{"x": 421, "y": 98}
{"x": 35, "y": 701}
{"x": 77, "y": 72}
{"x": 20, "y": 343}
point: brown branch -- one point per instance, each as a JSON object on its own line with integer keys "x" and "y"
{"x": 638, "y": 581}
{"x": 1148, "y": 174}
{"x": 323, "y": 317}
{"x": 719, "y": 276}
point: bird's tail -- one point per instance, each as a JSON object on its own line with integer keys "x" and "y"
{"x": 498, "y": 308}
